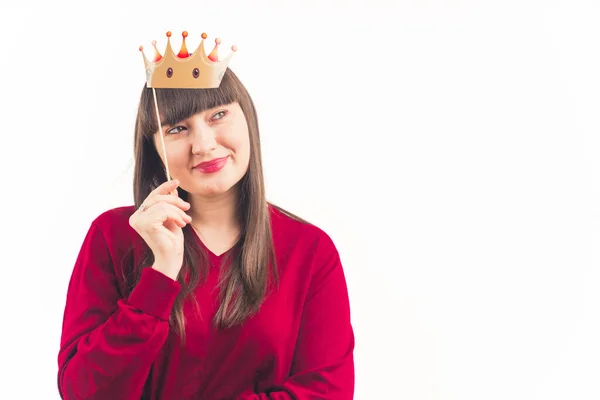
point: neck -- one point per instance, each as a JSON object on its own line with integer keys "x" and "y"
{"x": 215, "y": 213}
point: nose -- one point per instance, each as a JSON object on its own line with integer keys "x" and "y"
{"x": 203, "y": 139}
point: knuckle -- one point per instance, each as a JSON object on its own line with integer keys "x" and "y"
{"x": 134, "y": 224}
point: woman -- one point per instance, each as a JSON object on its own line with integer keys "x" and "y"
{"x": 207, "y": 291}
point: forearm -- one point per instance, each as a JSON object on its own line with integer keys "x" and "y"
{"x": 113, "y": 359}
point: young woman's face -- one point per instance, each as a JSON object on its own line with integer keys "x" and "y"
{"x": 209, "y": 152}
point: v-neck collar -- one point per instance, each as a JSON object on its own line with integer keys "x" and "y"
{"x": 214, "y": 258}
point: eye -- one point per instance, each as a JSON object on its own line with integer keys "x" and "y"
{"x": 221, "y": 113}
{"x": 169, "y": 72}
{"x": 196, "y": 72}
{"x": 175, "y": 130}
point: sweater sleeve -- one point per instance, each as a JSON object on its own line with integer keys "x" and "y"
{"x": 323, "y": 365}
{"x": 108, "y": 343}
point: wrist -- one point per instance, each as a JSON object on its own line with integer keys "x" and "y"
{"x": 167, "y": 269}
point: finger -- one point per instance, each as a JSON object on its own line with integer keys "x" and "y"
{"x": 162, "y": 211}
{"x": 168, "y": 187}
{"x": 180, "y": 223}
{"x": 167, "y": 198}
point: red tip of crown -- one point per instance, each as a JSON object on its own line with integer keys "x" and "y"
{"x": 141, "y": 48}
{"x": 204, "y": 36}
{"x": 234, "y": 48}
{"x": 183, "y": 53}
{"x": 169, "y": 34}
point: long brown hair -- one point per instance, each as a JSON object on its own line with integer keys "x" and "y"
{"x": 252, "y": 265}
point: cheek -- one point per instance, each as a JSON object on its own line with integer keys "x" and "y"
{"x": 243, "y": 152}
{"x": 161, "y": 151}
{"x": 176, "y": 155}
{"x": 238, "y": 144}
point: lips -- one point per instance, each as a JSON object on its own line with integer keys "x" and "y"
{"x": 212, "y": 165}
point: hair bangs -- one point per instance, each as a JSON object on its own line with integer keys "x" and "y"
{"x": 175, "y": 105}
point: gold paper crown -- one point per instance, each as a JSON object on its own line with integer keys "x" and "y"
{"x": 186, "y": 70}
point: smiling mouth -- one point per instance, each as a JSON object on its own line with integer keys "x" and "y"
{"x": 212, "y": 165}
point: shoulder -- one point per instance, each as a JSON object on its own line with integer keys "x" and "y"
{"x": 114, "y": 226}
{"x": 293, "y": 232}
{"x": 306, "y": 254}
{"x": 114, "y": 219}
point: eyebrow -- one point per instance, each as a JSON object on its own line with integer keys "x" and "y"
{"x": 166, "y": 123}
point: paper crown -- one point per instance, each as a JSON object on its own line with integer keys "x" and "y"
{"x": 186, "y": 70}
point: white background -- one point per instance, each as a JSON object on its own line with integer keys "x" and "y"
{"x": 461, "y": 184}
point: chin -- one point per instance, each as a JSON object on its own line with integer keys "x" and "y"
{"x": 212, "y": 185}
{"x": 211, "y": 189}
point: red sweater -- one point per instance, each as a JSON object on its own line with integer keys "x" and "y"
{"x": 299, "y": 346}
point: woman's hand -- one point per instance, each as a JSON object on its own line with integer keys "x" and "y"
{"x": 159, "y": 221}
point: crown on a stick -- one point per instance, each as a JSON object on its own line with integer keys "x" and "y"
{"x": 186, "y": 70}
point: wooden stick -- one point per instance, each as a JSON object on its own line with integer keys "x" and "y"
{"x": 162, "y": 139}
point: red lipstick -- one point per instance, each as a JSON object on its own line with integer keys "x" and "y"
{"x": 211, "y": 166}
